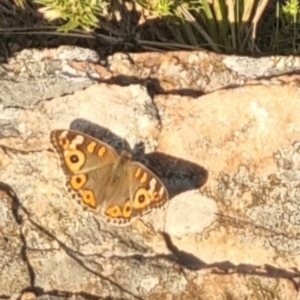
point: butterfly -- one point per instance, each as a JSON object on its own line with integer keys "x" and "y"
{"x": 111, "y": 185}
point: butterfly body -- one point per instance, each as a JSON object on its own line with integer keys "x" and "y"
{"x": 105, "y": 182}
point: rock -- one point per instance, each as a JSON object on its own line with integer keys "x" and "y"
{"x": 230, "y": 161}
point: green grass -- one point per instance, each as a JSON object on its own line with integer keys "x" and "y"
{"x": 255, "y": 27}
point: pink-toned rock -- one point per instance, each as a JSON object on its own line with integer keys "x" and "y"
{"x": 233, "y": 233}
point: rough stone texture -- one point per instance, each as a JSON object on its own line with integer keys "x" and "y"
{"x": 34, "y": 75}
{"x": 233, "y": 236}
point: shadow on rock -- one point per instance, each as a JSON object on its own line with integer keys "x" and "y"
{"x": 177, "y": 174}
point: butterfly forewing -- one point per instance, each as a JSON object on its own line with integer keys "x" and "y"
{"x": 89, "y": 152}
{"x": 148, "y": 190}
{"x": 82, "y": 157}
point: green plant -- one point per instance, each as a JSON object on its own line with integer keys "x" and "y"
{"x": 75, "y": 13}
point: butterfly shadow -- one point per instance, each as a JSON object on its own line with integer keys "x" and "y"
{"x": 177, "y": 174}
